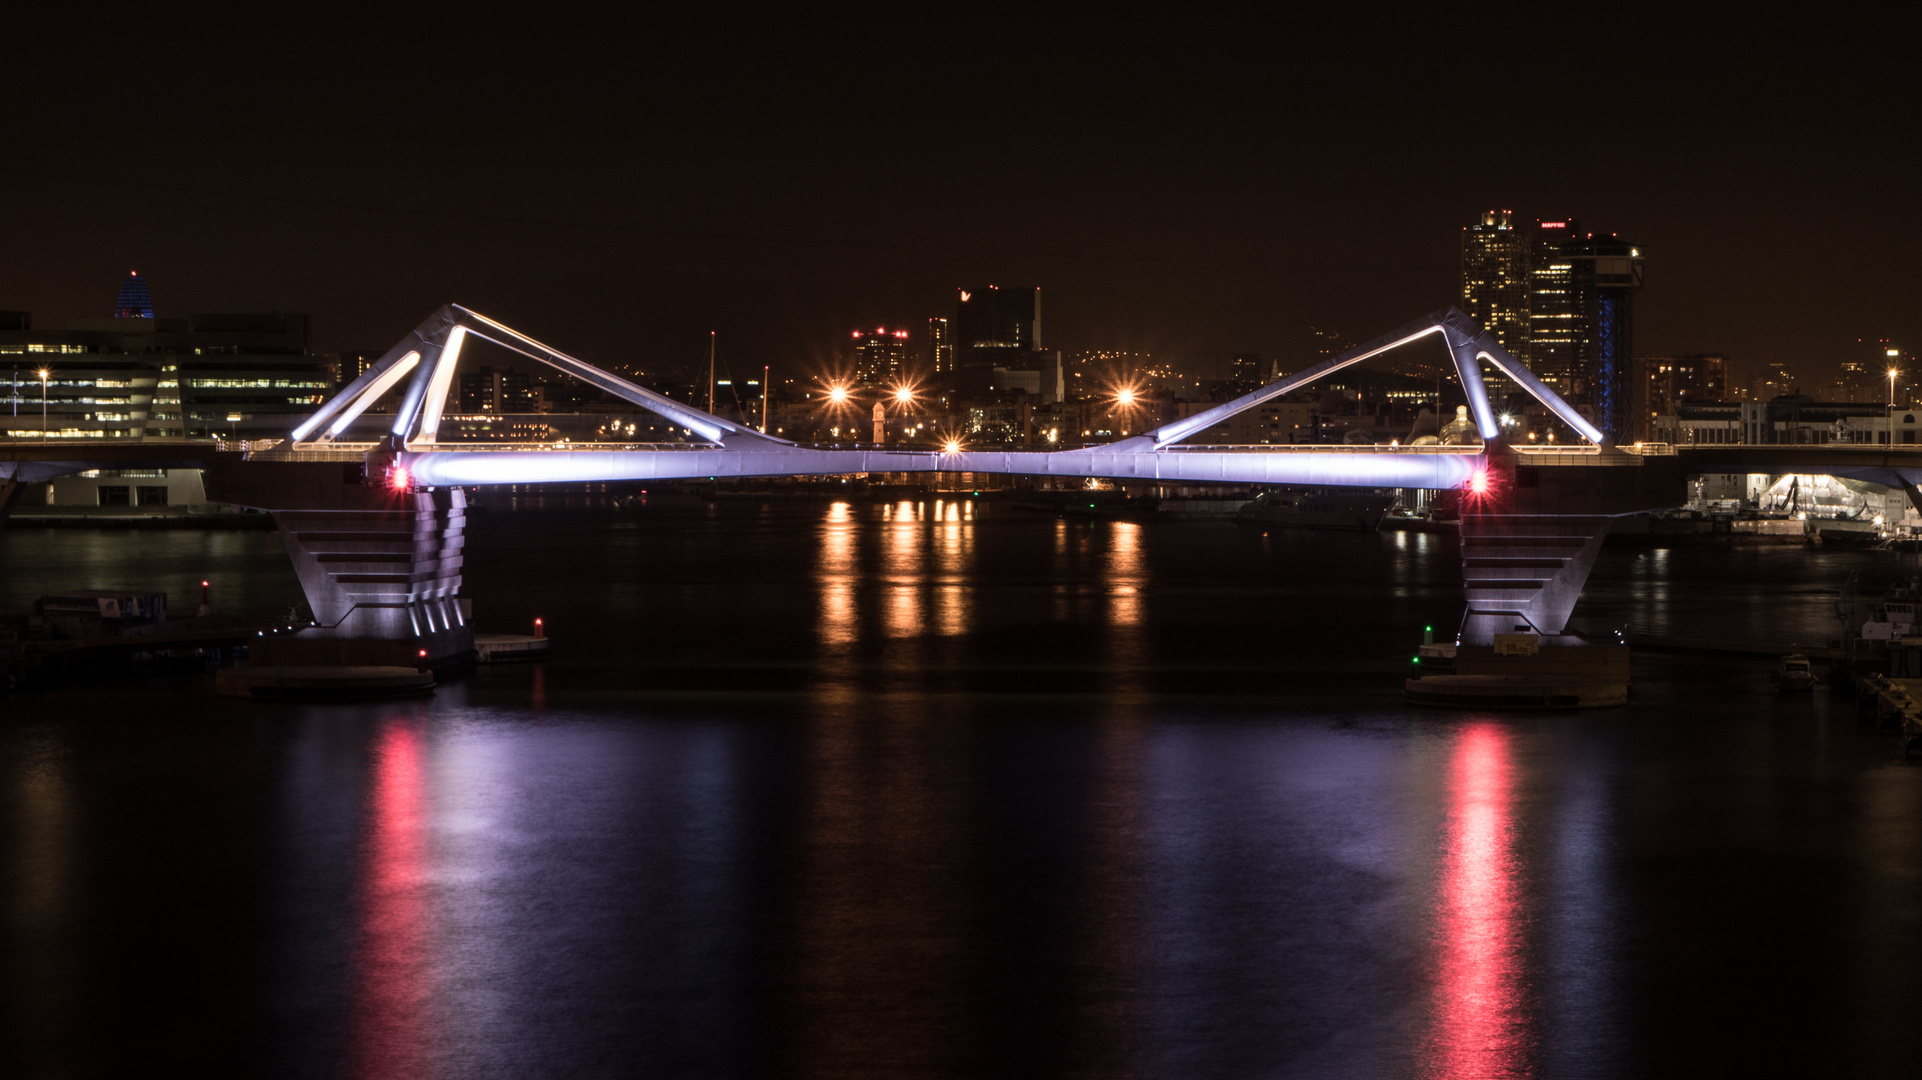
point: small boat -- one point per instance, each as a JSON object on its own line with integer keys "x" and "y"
{"x": 1319, "y": 508}
{"x": 1793, "y": 673}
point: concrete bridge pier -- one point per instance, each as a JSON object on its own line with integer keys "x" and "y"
{"x": 381, "y": 569}
{"x": 1522, "y": 573}
{"x": 10, "y": 491}
{"x": 377, "y": 578}
{"x": 1530, "y": 539}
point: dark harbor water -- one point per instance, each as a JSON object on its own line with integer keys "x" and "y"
{"x": 946, "y": 789}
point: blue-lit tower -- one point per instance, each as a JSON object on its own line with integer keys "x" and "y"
{"x": 136, "y": 300}
{"x": 1608, "y": 273}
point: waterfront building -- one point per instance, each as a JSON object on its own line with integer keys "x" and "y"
{"x": 880, "y": 356}
{"x": 1495, "y": 281}
{"x": 1787, "y": 418}
{"x": 237, "y": 376}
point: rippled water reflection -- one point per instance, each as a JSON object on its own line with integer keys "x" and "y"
{"x": 939, "y": 788}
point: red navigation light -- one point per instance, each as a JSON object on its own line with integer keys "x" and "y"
{"x": 398, "y": 478}
{"x": 1478, "y": 483}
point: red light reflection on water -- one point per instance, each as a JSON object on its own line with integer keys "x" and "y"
{"x": 391, "y": 977}
{"x": 1479, "y": 1028}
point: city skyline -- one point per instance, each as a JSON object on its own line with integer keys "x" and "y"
{"x": 1167, "y": 206}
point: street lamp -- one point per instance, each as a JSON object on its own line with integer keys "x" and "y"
{"x": 1892, "y": 374}
{"x": 43, "y": 403}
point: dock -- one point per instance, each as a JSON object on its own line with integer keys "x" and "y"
{"x": 509, "y": 648}
{"x": 24, "y": 657}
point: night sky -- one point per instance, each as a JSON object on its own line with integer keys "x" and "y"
{"x": 620, "y": 188}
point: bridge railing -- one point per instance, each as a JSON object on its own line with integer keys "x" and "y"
{"x": 1321, "y": 448}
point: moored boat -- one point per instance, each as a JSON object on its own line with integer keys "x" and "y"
{"x": 1793, "y": 673}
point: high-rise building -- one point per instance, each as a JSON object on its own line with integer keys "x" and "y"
{"x": 355, "y": 364}
{"x": 994, "y": 327}
{"x": 1555, "y": 324}
{"x": 880, "y": 356}
{"x": 940, "y": 345}
{"x": 1572, "y": 322}
{"x": 136, "y": 299}
{"x": 1495, "y": 282}
{"x": 488, "y": 390}
{"x": 1664, "y": 382}
{"x": 1246, "y": 371}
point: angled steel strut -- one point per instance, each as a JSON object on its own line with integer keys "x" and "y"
{"x": 431, "y": 352}
{"x": 1467, "y": 344}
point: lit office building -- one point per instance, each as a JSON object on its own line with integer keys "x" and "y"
{"x": 1495, "y": 281}
{"x": 880, "y": 356}
{"x": 940, "y": 345}
{"x": 233, "y": 376}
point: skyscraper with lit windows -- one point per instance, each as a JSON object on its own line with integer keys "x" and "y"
{"x": 880, "y": 356}
{"x": 1495, "y": 279}
{"x": 1561, "y": 300}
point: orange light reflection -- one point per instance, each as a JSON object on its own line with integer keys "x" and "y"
{"x": 836, "y": 576}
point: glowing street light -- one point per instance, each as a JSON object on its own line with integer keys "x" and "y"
{"x": 43, "y": 402}
{"x": 838, "y": 394}
{"x": 1125, "y": 397}
{"x": 952, "y": 446}
{"x": 904, "y": 395}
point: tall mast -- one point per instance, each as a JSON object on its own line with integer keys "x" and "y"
{"x": 710, "y": 372}
{"x": 764, "y": 371}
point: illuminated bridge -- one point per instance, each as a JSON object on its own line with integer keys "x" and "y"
{"x": 375, "y": 530}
